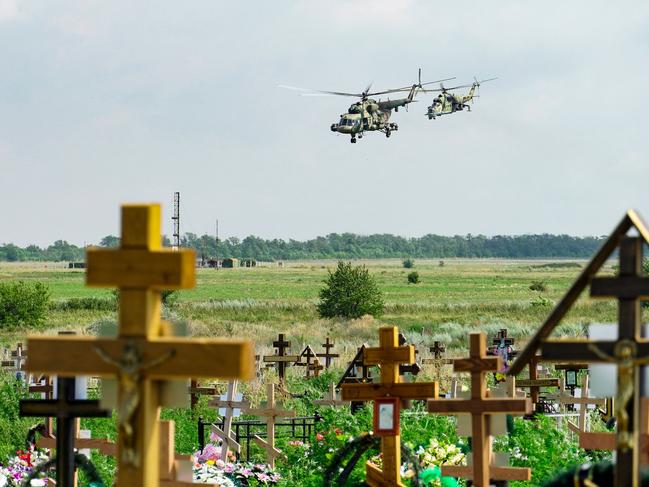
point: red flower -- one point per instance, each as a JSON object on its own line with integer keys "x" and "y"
{"x": 319, "y": 436}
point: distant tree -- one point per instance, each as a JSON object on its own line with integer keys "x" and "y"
{"x": 23, "y": 303}
{"x": 408, "y": 263}
{"x": 413, "y": 277}
{"x": 109, "y": 241}
{"x": 350, "y": 292}
{"x": 12, "y": 253}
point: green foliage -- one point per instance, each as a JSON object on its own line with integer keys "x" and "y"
{"x": 350, "y": 246}
{"x": 540, "y": 286}
{"x": 413, "y": 277}
{"x": 168, "y": 297}
{"x": 23, "y": 303}
{"x": 350, "y": 292}
{"x": 408, "y": 263}
{"x": 13, "y": 428}
{"x": 87, "y": 303}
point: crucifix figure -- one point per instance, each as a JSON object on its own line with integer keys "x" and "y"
{"x": 628, "y": 352}
{"x": 388, "y": 392}
{"x": 129, "y": 377}
{"x": 480, "y": 406}
{"x": 65, "y": 408}
{"x": 230, "y": 406}
{"x": 270, "y": 412}
{"x": 145, "y": 353}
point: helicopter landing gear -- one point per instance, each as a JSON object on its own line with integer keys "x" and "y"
{"x": 387, "y": 133}
{"x": 353, "y": 141}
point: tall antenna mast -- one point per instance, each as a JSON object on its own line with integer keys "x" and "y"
{"x": 216, "y": 244}
{"x": 176, "y": 220}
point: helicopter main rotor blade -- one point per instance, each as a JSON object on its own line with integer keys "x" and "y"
{"x": 485, "y": 80}
{"x": 312, "y": 92}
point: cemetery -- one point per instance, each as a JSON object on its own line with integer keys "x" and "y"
{"x": 407, "y": 251}
{"x": 148, "y": 400}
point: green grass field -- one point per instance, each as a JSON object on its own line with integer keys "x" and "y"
{"x": 258, "y": 303}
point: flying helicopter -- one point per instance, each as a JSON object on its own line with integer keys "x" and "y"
{"x": 368, "y": 114}
{"x": 446, "y": 103}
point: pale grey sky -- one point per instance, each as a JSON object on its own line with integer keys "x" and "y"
{"x": 109, "y": 102}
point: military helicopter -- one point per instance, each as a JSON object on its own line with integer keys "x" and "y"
{"x": 368, "y": 114}
{"x": 446, "y": 103}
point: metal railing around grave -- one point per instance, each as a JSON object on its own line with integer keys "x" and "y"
{"x": 302, "y": 428}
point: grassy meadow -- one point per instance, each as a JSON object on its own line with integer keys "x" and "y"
{"x": 258, "y": 303}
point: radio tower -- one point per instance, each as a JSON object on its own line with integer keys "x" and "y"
{"x": 176, "y": 220}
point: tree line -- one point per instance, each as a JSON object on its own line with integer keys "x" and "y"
{"x": 343, "y": 246}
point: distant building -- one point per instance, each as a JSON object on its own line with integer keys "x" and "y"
{"x": 76, "y": 265}
{"x": 230, "y": 263}
{"x": 248, "y": 263}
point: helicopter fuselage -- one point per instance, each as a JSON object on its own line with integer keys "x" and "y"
{"x": 369, "y": 115}
{"x": 446, "y": 103}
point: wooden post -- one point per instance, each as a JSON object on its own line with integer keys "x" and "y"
{"x": 480, "y": 407}
{"x": 389, "y": 355}
{"x": 144, "y": 352}
{"x": 328, "y": 356}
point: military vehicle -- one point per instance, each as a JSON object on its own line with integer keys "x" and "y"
{"x": 369, "y": 114}
{"x": 446, "y": 103}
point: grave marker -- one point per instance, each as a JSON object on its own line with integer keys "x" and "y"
{"x": 270, "y": 412}
{"x": 328, "y": 356}
{"x": 65, "y": 408}
{"x": 230, "y": 405}
{"x": 144, "y": 352}
{"x": 629, "y": 351}
{"x": 481, "y": 407}
{"x": 281, "y": 359}
{"x": 389, "y": 355}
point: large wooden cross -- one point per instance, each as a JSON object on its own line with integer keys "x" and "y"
{"x": 389, "y": 355}
{"x": 270, "y": 411}
{"x": 480, "y": 407}
{"x": 629, "y": 351}
{"x": 144, "y": 352}
{"x": 65, "y": 408}
{"x": 229, "y": 406}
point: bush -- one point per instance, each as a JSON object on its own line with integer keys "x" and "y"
{"x": 350, "y": 292}
{"x": 23, "y": 303}
{"x": 413, "y": 277}
{"x": 88, "y": 303}
{"x": 538, "y": 286}
{"x": 408, "y": 263}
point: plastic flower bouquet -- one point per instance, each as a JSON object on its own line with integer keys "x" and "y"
{"x": 18, "y": 468}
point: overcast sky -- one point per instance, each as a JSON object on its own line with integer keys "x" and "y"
{"x": 110, "y": 102}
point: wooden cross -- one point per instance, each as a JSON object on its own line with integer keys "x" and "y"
{"x": 437, "y": 350}
{"x": 589, "y": 440}
{"x": 502, "y": 339}
{"x": 356, "y": 371}
{"x": 308, "y": 354}
{"x": 629, "y": 352}
{"x": 281, "y": 358}
{"x": 331, "y": 399}
{"x": 270, "y": 412}
{"x": 534, "y": 382}
{"x": 16, "y": 362}
{"x": 413, "y": 368}
{"x": 144, "y": 352}
{"x": 315, "y": 367}
{"x": 176, "y": 470}
{"x": 480, "y": 407}
{"x": 328, "y": 356}
{"x": 229, "y": 407}
{"x": 65, "y": 408}
{"x": 195, "y": 390}
{"x": 583, "y": 401}
{"x": 572, "y": 370}
{"x": 389, "y": 355}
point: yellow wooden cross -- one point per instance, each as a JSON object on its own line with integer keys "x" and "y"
{"x": 389, "y": 355}
{"x": 144, "y": 352}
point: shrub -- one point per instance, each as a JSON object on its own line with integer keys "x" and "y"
{"x": 169, "y": 297}
{"x": 87, "y": 303}
{"x": 23, "y": 303}
{"x": 350, "y": 292}
{"x": 538, "y": 286}
{"x": 413, "y": 277}
{"x": 408, "y": 263}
